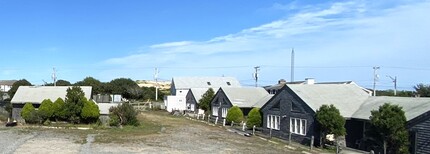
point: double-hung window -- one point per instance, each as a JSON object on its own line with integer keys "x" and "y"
{"x": 298, "y": 126}
{"x": 215, "y": 111}
{"x": 273, "y": 122}
{"x": 224, "y": 112}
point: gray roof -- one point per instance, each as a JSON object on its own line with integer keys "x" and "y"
{"x": 413, "y": 107}
{"x": 245, "y": 96}
{"x": 263, "y": 101}
{"x": 7, "y": 82}
{"x": 202, "y": 82}
{"x": 198, "y": 93}
{"x": 36, "y": 94}
{"x": 346, "y": 97}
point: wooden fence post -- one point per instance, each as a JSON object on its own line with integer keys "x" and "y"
{"x": 289, "y": 138}
{"x": 270, "y": 133}
{"x": 312, "y": 142}
{"x": 223, "y": 122}
{"x": 216, "y": 120}
{"x": 243, "y": 126}
{"x": 253, "y": 130}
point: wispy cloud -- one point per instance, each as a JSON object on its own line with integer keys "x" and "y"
{"x": 343, "y": 33}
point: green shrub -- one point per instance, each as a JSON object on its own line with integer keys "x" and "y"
{"x": 114, "y": 120}
{"x": 46, "y": 109}
{"x": 234, "y": 114}
{"x": 126, "y": 114}
{"x": 90, "y": 112}
{"x": 58, "y": 108}
{"x": 254, "y": 118}
{"x": 30, "y": 115}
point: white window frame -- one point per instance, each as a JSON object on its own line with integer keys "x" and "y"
{"x": 192, "y": 107}
{"x": 224, "y": 112}
{"x": 298, "y": 126}
{"x": 274, "y": 122}
{"x": 215, "y": 111}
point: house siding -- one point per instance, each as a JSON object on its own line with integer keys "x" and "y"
{"x": 17, "y": 108}
{"x": 354, "y": 133}
{"x": 422, "y": 136}
{"x": 220, "y": 100}
{"x": 190, "y": 99}
{"x": 286, "y": 98}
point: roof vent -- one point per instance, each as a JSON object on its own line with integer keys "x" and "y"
{"x": 209, "y": 83}
{"x": 228, "y": 83}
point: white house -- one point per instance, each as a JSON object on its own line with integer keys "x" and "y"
{"x": 181, "y": 85}
{"x": 5, "y": 85}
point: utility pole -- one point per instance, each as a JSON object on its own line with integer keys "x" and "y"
{"x": 292, "y": 65}
{"x": 375, "y": 78}
{"x": 395, "y": 83}
{"x": 257, "y": 68}
{"x": 156, "y": 83}
{"x": 54, "y": 77}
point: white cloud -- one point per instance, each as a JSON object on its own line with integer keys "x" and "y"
{"x": 340, "y": 34}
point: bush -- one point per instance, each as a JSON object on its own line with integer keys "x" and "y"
{"x": 29, "y": 114}
{"x": 125, "y": 113}
{"x": 254, "y": 118}
{"x": 90, "y": 112}
{"x": 58, "y": 108}
{"x": 46, "y": 109}
{"x": 234, "y": 114}
{"x": 114, "y": 120}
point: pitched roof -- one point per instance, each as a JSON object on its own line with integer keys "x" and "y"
{"x": 36, "y": 94}
{"x": 198, "y": 93}
{"x": 245, "y": 96}
{"x": 413, "y": 107}
{"x": 7, "y": 82}
{"x": 263, "y": 101}
{"x": 204, "y": 82}
{"x": 346, "y": 97}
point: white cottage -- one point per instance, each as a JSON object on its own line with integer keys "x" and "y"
{"x": 181, "y": 85}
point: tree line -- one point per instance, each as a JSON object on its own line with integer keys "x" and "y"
{"x": 123, "y": 86}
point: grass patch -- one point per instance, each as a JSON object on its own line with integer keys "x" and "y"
{"x": 127, "y": 133}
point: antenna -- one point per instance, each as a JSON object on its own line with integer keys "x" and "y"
{"x": 257, "y": 68}
{"x": 292, "y": 65}
{"x": 54, "y": 76}
{"x": 375, "y": 78}
{"x": 156, "y": 83}
{"x": 395, "y": 83}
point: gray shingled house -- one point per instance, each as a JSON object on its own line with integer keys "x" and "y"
{"x": 293, "y": 109}
{"x": 36, "y": 94}
{"x": 244, "y": 97}
{"x": 192, "y": 99}
{"x": 417, "y": 112}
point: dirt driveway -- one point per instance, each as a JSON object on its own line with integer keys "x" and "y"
{"x": 168, "y": 135}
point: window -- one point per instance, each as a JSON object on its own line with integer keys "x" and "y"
{"x": 192, "y": 107}
{"x": 215, "y": 111}
{"x": 228, "y": 83}
{"x": 209, "y": 83}
{"x": 224, "y": 112}
{"x": 298, "y": 126}
{"x": 273, "y": 121}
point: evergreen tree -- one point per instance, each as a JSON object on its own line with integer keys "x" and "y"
{"x": 331, "y": 122}
{"x": 254, "y": 118}
{"x": 389, "y": 126}
{"x": 205, "y": 101}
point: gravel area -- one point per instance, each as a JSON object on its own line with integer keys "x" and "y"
{"x": 180, "y": 136}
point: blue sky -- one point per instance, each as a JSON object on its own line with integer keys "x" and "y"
{"x": 106, "y": 39}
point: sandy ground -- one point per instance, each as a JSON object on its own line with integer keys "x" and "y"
{"x": 180, "y": 137}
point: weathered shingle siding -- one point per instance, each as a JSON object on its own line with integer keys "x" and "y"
{"x": 191, "y": 100}
{"x": 221, "y": 101}
{"x": 422, "y": 130}
{"x": 286, "y": 98}
{"x": 354, "y": 133}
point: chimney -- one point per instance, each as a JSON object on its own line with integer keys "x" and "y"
{"x": 282, "y": 81}
{"x": 309, "y": 81}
